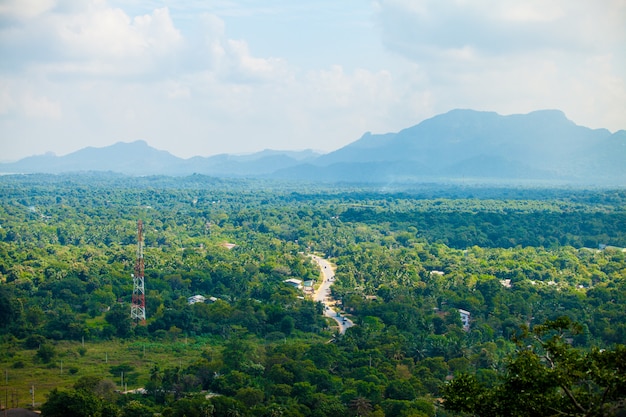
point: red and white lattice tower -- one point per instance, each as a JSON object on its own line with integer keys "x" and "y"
{"x": 138, "y": 304}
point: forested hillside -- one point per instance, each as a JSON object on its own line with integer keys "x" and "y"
{"x": 406, "y": 262}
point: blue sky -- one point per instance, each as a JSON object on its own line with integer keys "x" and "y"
{"x": 207, "y": 77}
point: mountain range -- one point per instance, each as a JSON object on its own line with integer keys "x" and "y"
{"x": 461, "y": 145}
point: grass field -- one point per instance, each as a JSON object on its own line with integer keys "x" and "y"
{"x": 22, "y": 369}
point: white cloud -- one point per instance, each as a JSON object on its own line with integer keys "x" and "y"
{"x": 158, "y": 31}
{"x": 40, "y": 107}
{"x": 504, "y": 27}
{"x": 178, "y": 91}
{"x": 94, "y": 40}
{"x": 7, "y": 103}
{"x": 24, "y": 9}
{"x": 21, "y": 98}
{"x": 243, "y": 66}
{"x": 231, "y": 59}
{"x": 200, "y": 78}
{"x": 512, "y": 56}
{"x": 529, "y": 11}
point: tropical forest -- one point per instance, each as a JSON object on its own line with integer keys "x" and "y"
{"x": 463, "y": 300}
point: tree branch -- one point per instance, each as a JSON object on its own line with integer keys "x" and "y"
{"x": 571, "y": 397}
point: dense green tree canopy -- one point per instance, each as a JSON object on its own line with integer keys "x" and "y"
{"x": 547, "y": 377}
{"x": 406, "y": 262}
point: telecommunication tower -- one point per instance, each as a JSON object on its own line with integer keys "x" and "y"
{"x": 138, "y": 304}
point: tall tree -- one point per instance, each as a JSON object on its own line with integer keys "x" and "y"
{"x": 547, "y": 376}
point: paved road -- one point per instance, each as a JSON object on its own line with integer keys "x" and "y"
{"x": 323, "y": 294}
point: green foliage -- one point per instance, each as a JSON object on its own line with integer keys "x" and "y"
{"x": 405, "y": 264}
{"x": 34, "y": 341}
{"x": 46, "y": 352}
{"x": 9, "y": 308}
{"x": 119, "y": 318}
{"x": 75, "y": 403}
{"x": 548, "y": 376}
{"x": 400, "y": 390}
{"x": 135, "y": 408}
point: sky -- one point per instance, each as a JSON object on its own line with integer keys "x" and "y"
{"x": 203, "y": 77}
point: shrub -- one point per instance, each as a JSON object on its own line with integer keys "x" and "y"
{"x": 46, "y": 352}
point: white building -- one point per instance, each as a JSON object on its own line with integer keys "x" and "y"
{"x": 297, "y": 283}
{"x": 196, "y": 299}
{"x": 465, "y": 318}
{"x": 200, "y": 299}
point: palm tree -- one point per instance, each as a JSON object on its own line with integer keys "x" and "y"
{"x": 233, "y": 412}
{"x": 275, "y": 410}
{"x": 155, "y": 374}
{"x": 361, "y": 406}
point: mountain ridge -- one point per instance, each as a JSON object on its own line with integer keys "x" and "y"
{"x": 542, "y": 145}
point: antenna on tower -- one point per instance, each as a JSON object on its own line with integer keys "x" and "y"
{"x": 138, "y": 304}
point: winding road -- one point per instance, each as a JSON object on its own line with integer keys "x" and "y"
{"x": 323, "y": 294}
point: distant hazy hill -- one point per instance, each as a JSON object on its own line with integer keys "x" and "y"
{"x": 466, "y": 144}
{"x": 137, "y": 158}
{"x": 542, "y": 146}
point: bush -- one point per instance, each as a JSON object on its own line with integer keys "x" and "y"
{"x": 46, "y": 352}
{"x": 34, "y": 341}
